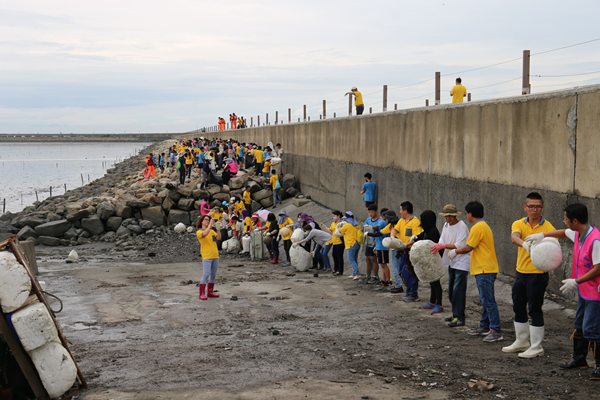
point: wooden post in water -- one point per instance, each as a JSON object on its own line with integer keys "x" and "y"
{"x": 65, "y": 188}
{"x": 36, "y": 196}
{"x": 50, "y": 193}
{"x": 82, "y": 179}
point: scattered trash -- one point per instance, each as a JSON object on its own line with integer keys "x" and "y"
{"x": 309, "y": 282}
{"x": 352, "y": 370}
{"x": 73, "y": 257}
{"x": 316, "y": 275}
{"x": 287, "y": 288}
{"x": 275, "y": 332}
{"x": 234, "y": 298}
{"x": 290, "y": 274}
{"x": 350, "y": 294}
{"x": 262, "y": 293}
{"x": 279, "y": 298}
{"x": 180, "y": 228}
{"x": 480, "y": 385}
{"x": 152, "y": 254}
{"x": 401, "y": 367}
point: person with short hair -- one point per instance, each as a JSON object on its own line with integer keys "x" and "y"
{"x": 150, "y": 167}
{"x": 484, "y": 265}
{"x": 161, "y": 163}
{"x": 208, "y": 236}
{"x": 458, "y": 92}
{"x": 319, "y": 237}
{"x": 358, "y": 100}
{"x": 286, "y": 222}
{"x": 585, "y": 281}
{"x": 372, "y": 224}
{"x": 369, "y": 189}
{"x": 454, "y": 236}
{"x": 247, "y": 199}
{"x": 350, "y": 232}
{"x": 276, "y": 187}
{"x": 530, "y": 283}
{"x": 337, "y": 244}
{"x": 408, "y": 226}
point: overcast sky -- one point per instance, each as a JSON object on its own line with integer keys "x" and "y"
{"x": 157, "y": 66}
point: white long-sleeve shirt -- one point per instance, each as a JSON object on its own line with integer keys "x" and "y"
{"x": 319, "y": 237}
{"x": 457, "y": 235}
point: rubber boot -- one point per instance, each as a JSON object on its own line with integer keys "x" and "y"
{"x": 580, "y": 351}
{"x": 537, "y": 337}
{"x": 275, "y": 260}
{"x": 211, "y": 287}
{"x": 521, "y": 338}
{"x": 202, "y": 295}
{"x": 596, "y": 374}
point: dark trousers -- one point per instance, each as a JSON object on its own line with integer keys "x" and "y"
{"x": 287, "y": 245}
{"x": 248, "y": 207}
{"x": 360, "y": 109}
{"x": 436, "y": 293}
{"x": 587, "y": 320}
{"x": 338, "y": 258}
{"x": 318, "y": 258}
{"x": 457, "y": 291}
{"x": 275, "y": 247}
{"x": 528, "y": 291}
{"x": 257, "y": 168}
{"x": 188, "y": 168}
{"x": 182, "y": 175}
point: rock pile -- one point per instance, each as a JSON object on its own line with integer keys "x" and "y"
{"x": 123, "y": 204}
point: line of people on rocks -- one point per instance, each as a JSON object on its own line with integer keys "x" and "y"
{"x": 463, "y": 251}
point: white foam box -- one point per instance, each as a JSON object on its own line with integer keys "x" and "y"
{"x": 34, "y": 326}
{"x": 56, "y": 368}
{"x": 15, "y": 283}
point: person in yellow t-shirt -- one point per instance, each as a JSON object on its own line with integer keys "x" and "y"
{"x": 530, "y": 283}
{"x": 238, "y": 206}
{"x": 335, "y": 245}
{"x": 207, "y": 236}
{"x": 216, "y": 214}
{"x": 350, "y": 232}
{"x": 247, "y": 199}
{"x": 266, "y": 166}
{"x": 458, "y": 92}
{"x": 275, "y": 187}
{"x": 484, "y": 265}
{"x": 407, "y": 226}
{"x": 286, "y": 222}
{"x": 258, "y": 159}
{"x": 358, "y": 100}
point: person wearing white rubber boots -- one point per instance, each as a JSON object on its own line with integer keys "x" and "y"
{"x": 530, "y": 283}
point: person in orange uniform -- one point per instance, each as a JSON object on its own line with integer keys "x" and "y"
{"x": 150, "y": 166}
{"x": 458, "y": 92}
{"x": 208, "y": 236}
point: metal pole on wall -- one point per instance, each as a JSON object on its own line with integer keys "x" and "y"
{"x": 437, "y": 88}
{"x": 350, "y": 106}
{"x": 251, "y": 123}
{"x": 305, "y": 112}
{"x": 289, "y": 115}
{"x": 468, "y": 96}
{"x": 395, "y": 106}
{"x": 324, "y": 109}
{"x": 526, "y": 84}
{"x": 384, "y": 97}
{"x": 267, "y": 119}
{"x": 276, "y": 117}
{"x": 258, "y": 120}
{"x": 426, "y": 102}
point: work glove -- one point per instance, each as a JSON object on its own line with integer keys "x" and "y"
{"x": 452, "y": 254}
{"x": 536, "y": 237}
{"x": 526, "y": 246}
{"x": 437, "y": 247}
{"x": 413, "y": 238}
{"x": 295, "y": 244}
{"x": 570, "y": 286}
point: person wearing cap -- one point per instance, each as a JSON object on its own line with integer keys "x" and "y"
{"x": 350, "y": 232}
{"x": 484, "y": 265}
{"x": 251, "y": 222}
{"x": 530, "y": 283}
{"x": 454, "y": 235}
{"x": 407, "y": 227}
{"x": 181, "y": 167}
{"x": 358, "y": 100}
{"x": 286, "y": 222}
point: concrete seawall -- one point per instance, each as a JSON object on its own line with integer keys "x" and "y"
{"x": 493, "y": 151}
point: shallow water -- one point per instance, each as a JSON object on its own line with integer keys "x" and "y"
{"x": 27, "y": 168}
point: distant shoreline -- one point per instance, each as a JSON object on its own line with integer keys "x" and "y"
{"x": 85, "y": 138}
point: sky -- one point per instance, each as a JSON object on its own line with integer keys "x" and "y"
{"x": 154, "y": 66}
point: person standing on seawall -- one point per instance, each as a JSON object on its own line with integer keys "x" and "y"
{"x": 530, "y": 283}
{"x": 458, "y": 92}
{"x": 207, "y": 236}
{"x": 369, "y": 189}
{"x": 585, "y": 279}
{"x": 358, "y": 100}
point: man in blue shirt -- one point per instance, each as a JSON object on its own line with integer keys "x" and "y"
{"x": 372, "y": 224}
{"x": 369, "y": 189}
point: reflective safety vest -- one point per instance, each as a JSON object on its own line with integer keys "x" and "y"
{"x": 582, "y": 264}
{"x": 150, "y": 161}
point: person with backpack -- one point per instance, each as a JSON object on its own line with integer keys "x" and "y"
{"x": 276, "y": 187}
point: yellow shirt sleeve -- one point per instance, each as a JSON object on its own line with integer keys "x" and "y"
{"x": 208, "y": 245}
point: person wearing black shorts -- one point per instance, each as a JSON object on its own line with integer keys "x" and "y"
{"x": 371, "y": 224}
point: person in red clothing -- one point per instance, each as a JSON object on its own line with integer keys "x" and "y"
{"x": 150, "y": 166}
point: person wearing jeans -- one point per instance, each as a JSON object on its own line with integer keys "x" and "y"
{"x": 336, "y": 244}
{"x": 484, "y": 265}
{"x": 353, "y": 259}
{"x": 350, "y": 233}
{"x": 207, "y": 237}
{"x": 275, "y": 187}
{"x": 454, "y": 236}
{"x": 325, "y": 254}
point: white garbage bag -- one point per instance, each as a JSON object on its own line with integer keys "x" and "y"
{"x": 300, "y": 258}
{"x": 546, "y": 255}
{"x": 428, "y": 266}
{"x": 180, "y": 228}
{"x": 73, "y": 257}
{"x": 393, "y": 243}
{"x": 337, "y": 229}
{"x": 297, "y": 235}
{"x": 231, "y": 246}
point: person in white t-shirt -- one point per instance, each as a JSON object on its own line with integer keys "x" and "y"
{"x": 454, "y": 236}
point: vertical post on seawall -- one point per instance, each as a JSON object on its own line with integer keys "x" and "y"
{"x": 276, "y": 117}
{"x": 437, "y": 88}
{"x": 258, "y": 120}
{"x": 289, "y": 115}
{"x": 350, "y": 106}
{"x": 251, "y": 122}
{"x": 395, "y": 107}
{"x": 305, "y": 112}
{"x": 370, "y": 110}
{"x": 426, "y": 102}
{"x": 384, "y": 98}
{"x": 267, "y": 119}
{"x": 526, "y": 85}
{"x": 324, "y": 109}
{"x": 468, "y": 96}
{"x": 334, "y": 115}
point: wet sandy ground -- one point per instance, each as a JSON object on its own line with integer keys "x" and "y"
{"x": 139, "y": 331}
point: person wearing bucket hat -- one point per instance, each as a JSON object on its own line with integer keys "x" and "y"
{"x": 454, "y": 235}
{"x": 350, "y": 232}
{"x": 358, "y": 100}
{"x": 286, "y": 235}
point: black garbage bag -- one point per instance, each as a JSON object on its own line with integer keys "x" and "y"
{"x": 214, "y": 178}
{"x": 226, "y": 176}
{"x": 224, "y": 237}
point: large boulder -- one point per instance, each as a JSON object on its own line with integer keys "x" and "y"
{"x": 255, "y": 206}
{"x": 122, "y": 231}
{"x": 154, "y": 215}
{"x": 53, "y": 228}
{"x": 105, "y": 211}
{"x": 262, "y": 194}
{"x": 186, "y": 204}
{"x": 184, "y": 191}
{"x": 49, "y": 240}
{"x": 123, "y": 210}
{"x": 113, "y": 223}
{"x": 53, "y": 217}
{"x": 288, "y": 180}
{"x": 71, "y": 234}
{"x": 136, "y": 229}
{"x": 77, "y": 215}
{"x": 221, "y": 197}
{"x": 5, "y": 227}
{"x": 237, "y": 183}
{"x": 291, "y": 192}
{"x": 267, "y": 202}
{"x": 174, "y": 195}
{"x": 194, "y": 215}
{"x": 137, "y": 204}
{"x": 254, "y": 187}
{"x": 26, "y": 232}
{"x": 199, "y": 193}
{"x": 93, "y": 225}
{"x": 30, "y": 221}
{"x": 177, "y": 216}
{"x": 168, "y": 203}
{"x": 145, "y": 224}
{"x": 213, "y": 189}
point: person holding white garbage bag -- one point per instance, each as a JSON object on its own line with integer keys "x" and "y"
{"x": 530, "y": 283}
{"x": 585, "y": 280}
{"x": 208, "y": 236}
{"x": 318, "y": 236}
{"x": 350, "y": 232}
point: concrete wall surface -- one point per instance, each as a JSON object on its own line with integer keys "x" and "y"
{"x": 494, "y": 151}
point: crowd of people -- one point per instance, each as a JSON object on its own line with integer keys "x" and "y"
{"x": 463, "y": 251}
